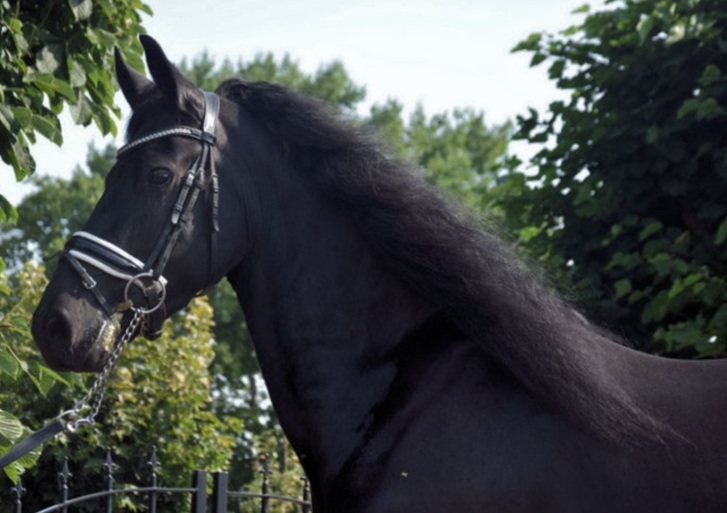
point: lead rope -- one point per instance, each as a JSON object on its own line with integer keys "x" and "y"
{"x": 71, "y": 420}
{"x": 94, "y": 397}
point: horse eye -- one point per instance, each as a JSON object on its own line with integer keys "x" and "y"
{"x": 160, "y": 176}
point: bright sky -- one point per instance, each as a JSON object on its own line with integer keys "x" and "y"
{"x": 440, "y": 53}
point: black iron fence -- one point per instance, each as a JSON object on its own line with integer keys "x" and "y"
{"x": 207, "y": 493}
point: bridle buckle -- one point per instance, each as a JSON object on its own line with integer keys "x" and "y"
{"x": 155, "y": 284}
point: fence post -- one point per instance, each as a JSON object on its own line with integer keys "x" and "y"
{"x": 199, "y": 498}
{"x": 19, "y": 491}
{"x": 109, "y": 466}
{"x": 154, "y": 464}
{"x": 305, "y": 508}
{"x": 265, "y": 471}
{"x": 63, "y": 477}
{"x": 219, "y": 492}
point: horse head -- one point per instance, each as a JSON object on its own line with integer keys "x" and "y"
{"x": 150, "y": 243}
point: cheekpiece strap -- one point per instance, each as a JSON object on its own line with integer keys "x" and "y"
{"x": 212, "y": 109}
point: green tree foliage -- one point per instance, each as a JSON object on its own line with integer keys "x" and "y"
{"x": 457, "y": 151}
{"x": 331, "y": 83}
{"x": 627, "y": 200}
{"x": 160, "y": 396}
{"x": 53, "y": 54}
{"x": 47, "y": 217}
{"x": 22, "y": 374}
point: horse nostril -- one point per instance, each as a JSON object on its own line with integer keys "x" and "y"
{"x": 58, "y": 329}
{"x": 53, "y": 332}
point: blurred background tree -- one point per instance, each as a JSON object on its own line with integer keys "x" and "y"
{"x": 625, "y": 201}
{"x": 160, "y": 396}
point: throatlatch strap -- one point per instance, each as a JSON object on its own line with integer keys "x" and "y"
{"x": 193, "y": 184}
{"x": 212, "y": 108}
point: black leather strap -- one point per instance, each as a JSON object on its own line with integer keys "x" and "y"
{"x": 88, "y": 282}
{"x": 111, "y": 257}
{"x": 34, "y": 440}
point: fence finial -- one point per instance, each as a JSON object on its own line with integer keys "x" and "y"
{"x": 64, "y": 476}
{"x": 109, "y": 466}
{"x": 305, "y": 507}
{"x": 154, "y": 464}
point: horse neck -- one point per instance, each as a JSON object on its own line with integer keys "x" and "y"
{"x": 325, "y": 319}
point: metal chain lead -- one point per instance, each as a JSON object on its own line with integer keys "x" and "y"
{"x": 94, "y": 397}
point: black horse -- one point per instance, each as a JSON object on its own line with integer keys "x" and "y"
{"x": 414, "y": 363}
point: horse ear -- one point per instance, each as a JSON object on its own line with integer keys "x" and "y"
{"x": 133, "y": 84}
{"x": 173, "y": 85}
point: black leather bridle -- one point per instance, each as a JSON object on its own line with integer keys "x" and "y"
{"x": 84, "y": 248}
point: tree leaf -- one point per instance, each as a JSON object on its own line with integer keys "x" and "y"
{"x": 7, "y": 119}
{"x": 50, "y": 85}
{"x": 622, "y": 287}
{"x": 650, "y": 229}
{"x": 530, "y": 43}
{"x": 43, "y": 377}
{"x": 643, "y": 28}
{"x": 8, "y": 364}
{"x": 556, "y": 69}
{"x": 8, "y": 213}
{"x": 49, "y": 127}
{"x": 709, "y": 109}
{"x": 22, "y": 115}
{"x": 49, "y": 58}
{"x": 22, "y": 162}
{"x": 103, "y": 120}
{"x": 77, "y": 75}
{"x": 710, "y": 75}
{"x": 80, "y": 111}
{"x": 10, "y": 428}
{"x": 82, "y": 9}
{"x": 537, "y": 59}
{"x": 690, "y": 105}
{"x": 721, "y": 233}
{"x": 101, "y": 37}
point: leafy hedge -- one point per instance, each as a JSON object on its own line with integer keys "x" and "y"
{"x": 628, "y": 197}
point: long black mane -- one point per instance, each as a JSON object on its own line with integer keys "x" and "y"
{"x": 472, "y": 276}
